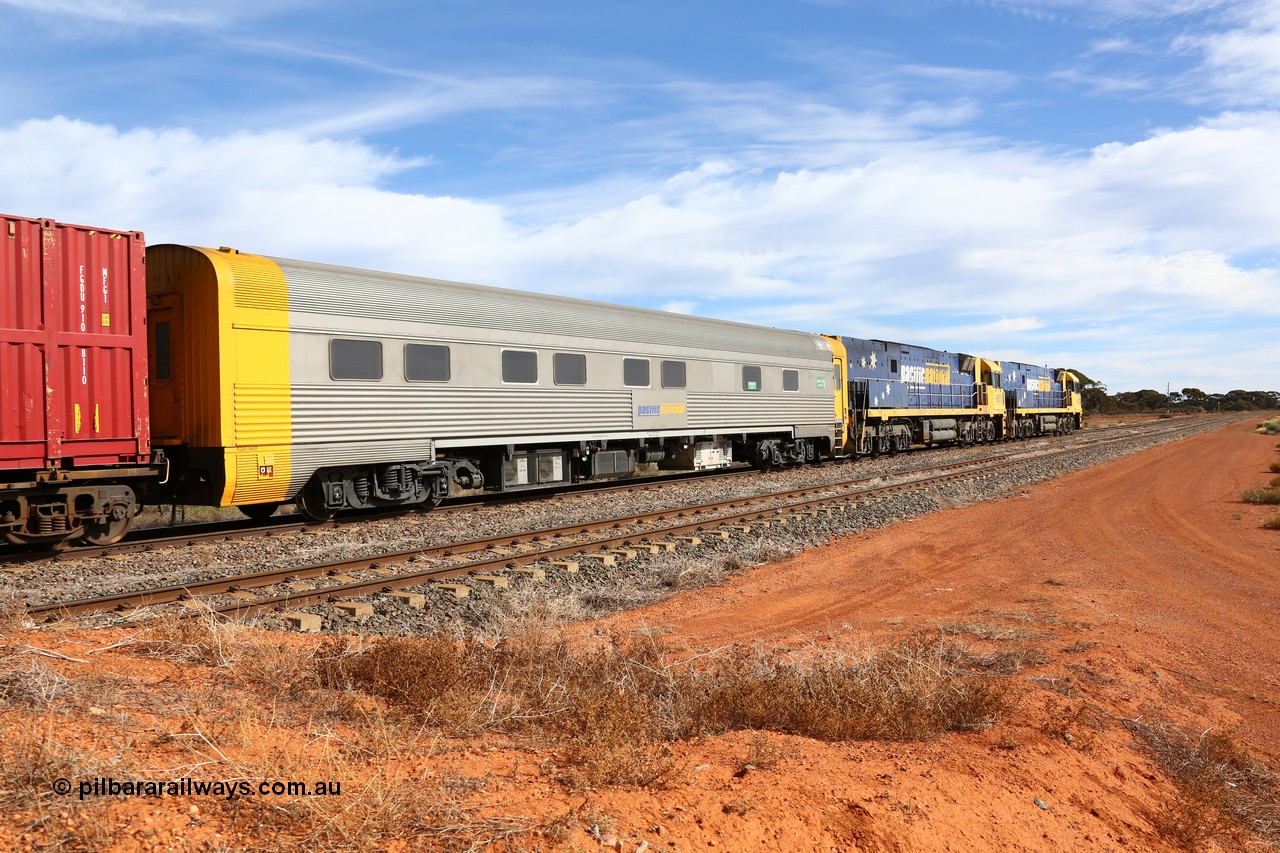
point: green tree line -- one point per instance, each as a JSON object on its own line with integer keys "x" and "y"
{"x": 1097, "y": 401}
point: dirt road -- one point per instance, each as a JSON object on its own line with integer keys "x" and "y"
{"x": 1150, "y": 586}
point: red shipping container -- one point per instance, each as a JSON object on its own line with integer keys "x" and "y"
{"x": 73, "y": 347}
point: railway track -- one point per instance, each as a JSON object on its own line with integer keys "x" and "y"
{"x": 187, "y": 535}
{"x": 492, "y": 560}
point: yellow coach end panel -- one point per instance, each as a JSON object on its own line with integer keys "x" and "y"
{"x": 256, "y": 429}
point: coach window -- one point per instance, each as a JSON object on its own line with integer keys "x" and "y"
{"x": 635, "y": 372}
{"x": 426, "y": 363}
{"x": 349, "y": 359}
{"x": 893, "y": 365}
{"x": 751, "y": 378}
{"x": 569, "y": 368}
{"x": 519, "y": 366}
{"x": 673, "y": 374}
{"x": 790, "y": 380}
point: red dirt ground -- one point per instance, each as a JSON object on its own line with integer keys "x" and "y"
{"x": 1149, "y": 586}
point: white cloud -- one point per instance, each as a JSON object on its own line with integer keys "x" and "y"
{"x": 974, "y": 247}
{"x": 1243, "y": 61}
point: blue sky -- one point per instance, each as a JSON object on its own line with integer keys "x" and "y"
{"x": 1073, "y": 182}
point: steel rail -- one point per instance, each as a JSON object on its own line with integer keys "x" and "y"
{"x": 157, "y": 538}
{"x": 963, "y": 469}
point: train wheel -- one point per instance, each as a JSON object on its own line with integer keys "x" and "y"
{"x": 107, "y": 532}
{"x": 310, "y": 502}
{"x": 259, "y": 512}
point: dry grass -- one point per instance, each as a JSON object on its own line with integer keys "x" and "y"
{"x": 613, "y": 708}
{"x": 994, "y": 632}
{"x": 29, "y": 762}
{"x": 1223, "y": 792}
{"x": 376, "y": 806}
{"x": 1272, "y": 523}
{"x": 262, "y": 660}
{"x": 167, "y": 515}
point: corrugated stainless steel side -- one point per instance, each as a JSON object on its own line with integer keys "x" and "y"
{"x": 727, "y": 412}
{"x": 309, "y": 458}
{"x": 344, "y": 292}
{"x": 359, "y": 414}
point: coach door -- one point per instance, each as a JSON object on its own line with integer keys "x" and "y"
{"x": 164, "y": 345}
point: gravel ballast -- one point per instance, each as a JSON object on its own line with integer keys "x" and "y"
{"x": 594, "y": 590}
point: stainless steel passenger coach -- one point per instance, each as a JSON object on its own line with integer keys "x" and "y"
{"x": 274, "y": 380}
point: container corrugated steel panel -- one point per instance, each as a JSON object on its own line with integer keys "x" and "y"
{"x": 73, "y": 346}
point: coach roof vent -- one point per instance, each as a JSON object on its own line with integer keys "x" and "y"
{"x": 228, "y": 250}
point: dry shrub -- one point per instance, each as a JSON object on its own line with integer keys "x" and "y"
{"x": 1272, "y": 523}
{"x": 762, "y": 753}
{"x": 446, "y": 683}
{"x": 31, "y": 762}
{"x": 913, "y": 690}
{"x": 264, "y": 660}
{"x": 33, "y": 682}
{"x": 1275, "y": 468}
{"x": 613, "y": 707}
{"x": 1222, "y": 790}
{"x": 1261, "y": 495}
{"x": 207, "y": 639}
{"x": 13, "y": 612}
{"x": 375, "y": 806}
{"x": 1008, "y": 661}
{"x": 1077, "y": 725}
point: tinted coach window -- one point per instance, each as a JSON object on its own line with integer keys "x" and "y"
{"x": 751, "y": 378}
{"x": 635, "y": 372}
{"x": 519, "y": 366}
{"x": 673, "y": 374}
{"x": 350, "y": 359}
{"x": 569, "y": 368}
{"x": 426, "y": 363}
